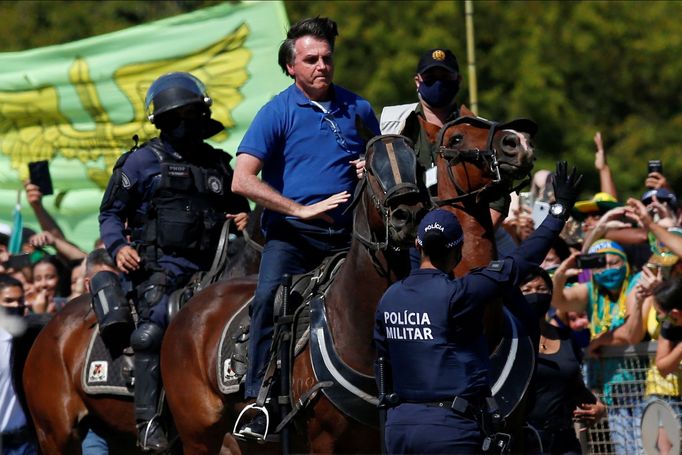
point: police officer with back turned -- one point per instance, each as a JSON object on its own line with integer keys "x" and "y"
{"x": 161, "y": 218}
{"x": 429, "y": 331}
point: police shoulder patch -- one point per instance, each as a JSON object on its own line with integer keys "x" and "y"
{"x": 125, "y": 181}
{"x": 215, "y": 184}
{"x": 496, "y": 266}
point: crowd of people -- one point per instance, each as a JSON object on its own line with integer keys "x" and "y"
{"x": 599, "y": 272}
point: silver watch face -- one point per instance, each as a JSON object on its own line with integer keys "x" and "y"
{"x": 557, "y": 209}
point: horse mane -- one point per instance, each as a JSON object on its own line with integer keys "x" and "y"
{"x": 21, "y": 345}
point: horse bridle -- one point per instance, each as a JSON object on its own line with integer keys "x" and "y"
{"x": 487, "y": 156}
{"x": 382, "y": 202}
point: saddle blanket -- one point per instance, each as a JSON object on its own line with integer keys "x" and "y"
{"x": 106, "y": 372}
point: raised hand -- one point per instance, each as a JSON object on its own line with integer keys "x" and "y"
{"x": 566, "y": 186}
{"x": 317, "y": 210}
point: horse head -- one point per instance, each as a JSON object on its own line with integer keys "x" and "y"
{"x": 394, "y": 202}
{"x": 475, "y": 154}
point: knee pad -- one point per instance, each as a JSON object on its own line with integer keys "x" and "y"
{"x": 146, "y": 338}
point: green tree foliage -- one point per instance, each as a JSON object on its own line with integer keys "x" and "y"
{"x": 574, "y": 67}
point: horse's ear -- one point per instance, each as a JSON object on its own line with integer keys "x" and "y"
{"x": 465, "y": 111}
{"x": 430, "y": 129}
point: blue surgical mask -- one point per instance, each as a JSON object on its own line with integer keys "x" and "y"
{"x": 438, "y": 93}
{"x": 610, "y": 279}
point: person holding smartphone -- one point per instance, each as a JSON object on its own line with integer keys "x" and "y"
{"x": 613, "y": 300}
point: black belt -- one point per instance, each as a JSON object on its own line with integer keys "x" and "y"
{"x": 16, "y": 437}
{"x": 457, "y": 404}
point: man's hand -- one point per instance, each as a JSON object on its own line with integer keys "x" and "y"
{"x": 637, "y": 210}
{"x": 33, "y": 194}
{"x": 240, "y": 219}
{"x": 610, "y": 220}
{"x": 317, "y": 210}
{"x": 656, "y": 180}
{"x": 127, "y": 259}
{"x": 567, "y": 267}
{"x": 566, "y": 186}
{"x": 359, "y": 166}
{"x": 599, "y": 155}
{"x": 648, "y": 281}
{"x": 41, "y": 239}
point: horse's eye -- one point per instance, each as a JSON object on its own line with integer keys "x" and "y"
{"x": 456, "y": 140}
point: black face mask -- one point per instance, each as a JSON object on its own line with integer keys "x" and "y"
{"x": 187, "y": 131}
{"x": 15, "y": 310}
{"x": 671, "y": 332}
{"x": 539, "y": 302}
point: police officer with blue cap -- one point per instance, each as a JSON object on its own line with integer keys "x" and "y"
{"x": 429, "y": 330}
{"x": 161, "y": 218}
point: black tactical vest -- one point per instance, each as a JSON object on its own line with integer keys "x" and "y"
{"x": 188, "y": 207}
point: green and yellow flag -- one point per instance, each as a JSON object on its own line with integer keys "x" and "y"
{"x": 78, "y": 105}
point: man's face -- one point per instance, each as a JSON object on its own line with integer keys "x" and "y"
{"x": 12, "y": 297}
{"x": 313, "y": 67}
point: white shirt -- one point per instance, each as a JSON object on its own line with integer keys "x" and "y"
{"x": 12, "y": 417}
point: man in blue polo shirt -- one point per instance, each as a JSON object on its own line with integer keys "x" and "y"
{"x": 429, "y": 329}
{"x": 306, "y": 144}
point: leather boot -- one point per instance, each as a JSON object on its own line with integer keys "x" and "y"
{"x": 151, "y": 437}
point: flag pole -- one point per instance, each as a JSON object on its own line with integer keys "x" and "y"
{"x": 14, "y": 246}
{"x": 471, "y": 55}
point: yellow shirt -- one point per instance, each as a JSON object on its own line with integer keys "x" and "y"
{"x": 656, "y": 384}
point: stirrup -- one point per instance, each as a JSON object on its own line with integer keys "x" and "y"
{"x": 144, "y": 429}
{"x": 235, "y": 431}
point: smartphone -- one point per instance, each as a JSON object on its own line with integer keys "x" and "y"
{"x": 655, "y": 166}
{"x": 539, "y": 213}
{"x": 18, "y": 261}
{"x": 525, "y": 199}
{"x": 39, "y": 172}
{"x": 591, "y": 261}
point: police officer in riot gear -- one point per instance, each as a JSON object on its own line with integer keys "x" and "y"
{"x": 160, "y": 220}
{"x": 429, "y": 331}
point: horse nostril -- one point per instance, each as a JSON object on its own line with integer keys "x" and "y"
{"x": 510, "y": 141}
{"x": 400, "y": 217}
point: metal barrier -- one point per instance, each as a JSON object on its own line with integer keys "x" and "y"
{"x": 619, "y": 378}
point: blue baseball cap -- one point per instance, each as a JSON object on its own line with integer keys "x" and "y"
{"x": 441, "y": 222}
{"x": 663, "y": 195}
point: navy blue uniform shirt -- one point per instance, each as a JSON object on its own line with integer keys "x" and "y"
{"x": 140, "y": 177}
{"x": 430, "y": 327}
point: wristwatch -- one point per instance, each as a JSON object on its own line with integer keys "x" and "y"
{"x": 558, "y": 210}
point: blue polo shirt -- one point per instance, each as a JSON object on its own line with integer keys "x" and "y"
{"x": 430, "y": 327}
{"x": 305, "y": 151}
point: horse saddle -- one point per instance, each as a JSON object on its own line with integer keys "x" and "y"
{"x": 232, "y": 358}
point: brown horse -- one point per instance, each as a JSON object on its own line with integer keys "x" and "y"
{"x": 478, "y": 161}
{"x": 61, "y": 410}
{"x": 388, "y": 205}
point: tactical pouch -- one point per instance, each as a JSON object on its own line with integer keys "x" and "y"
{"x": 111, "y": 306}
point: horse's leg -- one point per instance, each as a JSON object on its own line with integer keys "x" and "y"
{"x": 196, "y": 406}
{"x": 54, "y": 403}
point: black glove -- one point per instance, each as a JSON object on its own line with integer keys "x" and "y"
{"x": 566, "y": 187}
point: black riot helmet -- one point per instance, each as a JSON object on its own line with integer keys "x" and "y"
{"x": 174, "y": 90}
